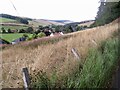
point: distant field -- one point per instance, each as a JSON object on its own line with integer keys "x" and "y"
{"x": 11, "y": 37}
{"x": 5, "y": 20}
{"x": 13, "y": 27}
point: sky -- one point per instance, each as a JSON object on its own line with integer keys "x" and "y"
{"x": 74, "y": 10}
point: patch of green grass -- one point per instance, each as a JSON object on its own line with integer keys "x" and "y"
{"x": 98, "y": 68}
{"x": 95, "y": 73}
{"x": 12, "y": 36}
{"x": 5, "y": 20}
{"x": 13, "y": 27}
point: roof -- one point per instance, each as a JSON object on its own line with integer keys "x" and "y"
{"x": 2, "y": 41}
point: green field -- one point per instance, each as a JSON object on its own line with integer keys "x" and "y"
{"x": 5, "y": 20}
{"x": 13, "y": 27}
{"x": 11, "y": 37}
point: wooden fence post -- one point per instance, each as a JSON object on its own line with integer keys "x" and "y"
{"x": 75, "y": 53}
{"x": 26, "y": 78}
{"x": 94, "y": 42}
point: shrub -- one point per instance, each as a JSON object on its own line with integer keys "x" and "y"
{"x": 41, "y": 34}
{"x": 9, "y": 30}
{"x": 3, "y": 30}
{"x": 22, "y": 31}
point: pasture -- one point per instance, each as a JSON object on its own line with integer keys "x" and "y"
{"x": 6, "y": 20}
{"x": 10, "y": 37}
{"x": 13, "y": 27}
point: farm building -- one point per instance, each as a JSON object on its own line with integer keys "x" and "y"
{"x": 56, "y": 34}
{"x": 18, "y": 40}
{"x": 2, "y": 41}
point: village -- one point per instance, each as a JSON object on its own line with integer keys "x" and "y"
{"x": 13, "y": 31}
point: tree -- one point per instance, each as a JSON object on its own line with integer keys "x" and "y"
{"x": 40, "y": 27}
{"x": 25, "y": 35}
{"x": 34, "y": 36}
{"x": 3, "y": 30}
{"x": 22, "y": 31}
{"x": 9, "y": 30}
{"x": 41, "y": 34}
{"x": 58, "y": 28}
{"x": 29, "y": 30}
{"x": 19, "y": 19}
{"x": 108, "y": 11}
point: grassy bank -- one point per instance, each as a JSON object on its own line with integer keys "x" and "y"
{"x": 95, "y": 73}
{"x": 52, "y": 55}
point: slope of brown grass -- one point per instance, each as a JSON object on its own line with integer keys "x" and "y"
{"x": 52, "y": 57}
{"x": 86, "y": 24}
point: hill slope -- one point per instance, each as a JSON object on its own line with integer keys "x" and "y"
{"x": 51, "y": 56}
{"x": 44, "y": 22}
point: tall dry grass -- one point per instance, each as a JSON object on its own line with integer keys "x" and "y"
{"x": 52, "y": 57}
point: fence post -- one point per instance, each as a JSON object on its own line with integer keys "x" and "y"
{"x": 26, "y": 78}
{"x": 75, "y": 53}
{"x": 93, "y": 41}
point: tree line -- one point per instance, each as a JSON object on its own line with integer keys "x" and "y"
{"x": 19, "y": 19}
{"x": 108, "y": 11}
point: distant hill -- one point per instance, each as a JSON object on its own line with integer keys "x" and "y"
{"x": 46, "y": 22}
{"x": 62, "y": 21}
{"x": 15, "y": 20}
{"x": 86, "y": 23}
{"x": 18, "y": 19}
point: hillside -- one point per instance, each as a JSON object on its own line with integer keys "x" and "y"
{"x": 51, "y": 54}
{"x": 12, "y": 24}
{"x": 43, "y": 22}
{"x": 6, "y": 20}
{"x": 62, "y": 21}
{"x": 86, "y": 23}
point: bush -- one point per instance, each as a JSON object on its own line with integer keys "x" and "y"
{"x": 9, "y": 30}
{"x": 41, "y": 34}
{"x": 25, "y": 35}
{"x": 34, "y": 36}
{"x": 3, "y": 30}
{"x": 22, "y": 31}
{"x": 29, "y": 30}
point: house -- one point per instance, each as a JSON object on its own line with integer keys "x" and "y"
{"x": 2, "y": 41}
{"x": 56, "y": 34}
{"x": 18, "y": 40}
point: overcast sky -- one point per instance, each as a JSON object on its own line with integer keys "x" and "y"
{"x": 75, "y": 10}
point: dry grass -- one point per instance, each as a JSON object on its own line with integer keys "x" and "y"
{"x": 86, "y": 24}
{"x": 56, "y": 57}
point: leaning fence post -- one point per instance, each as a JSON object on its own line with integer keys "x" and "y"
{"x": 94, "y": 42}
{"x": 75, "y": 53}
{"x": 26, "y": 78}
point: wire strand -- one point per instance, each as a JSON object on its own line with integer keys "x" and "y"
{"x": 14, "y": 7}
